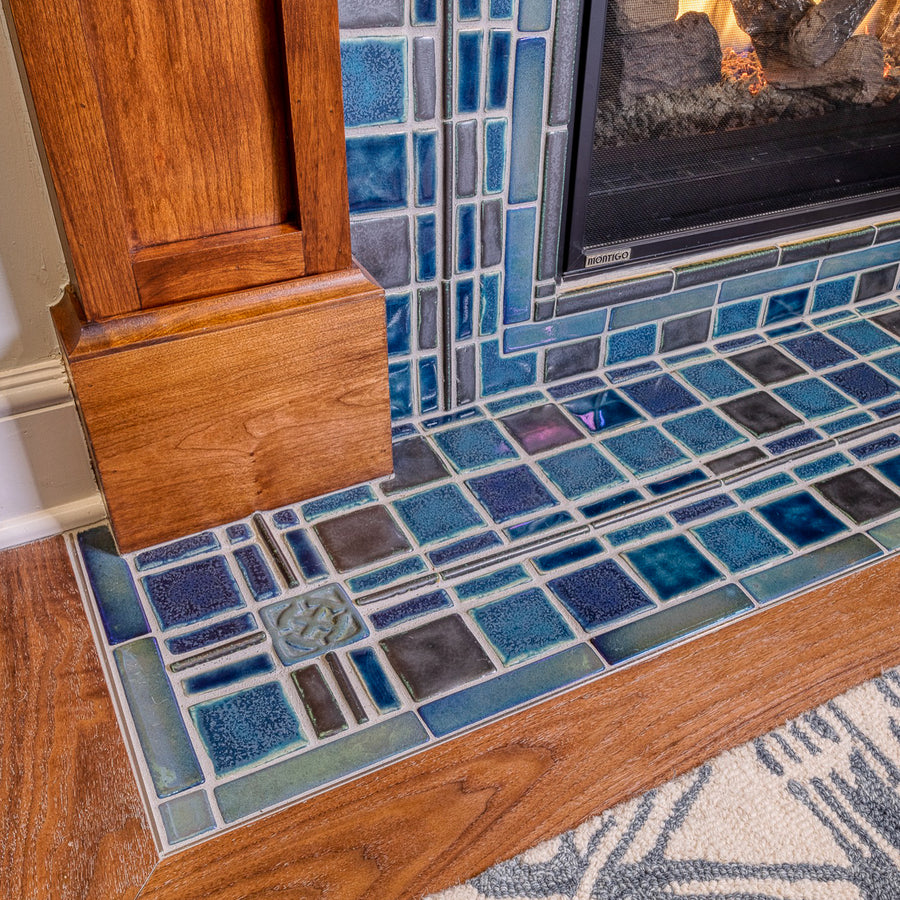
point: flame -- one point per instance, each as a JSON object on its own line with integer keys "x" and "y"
{"x": 721, "y": 14}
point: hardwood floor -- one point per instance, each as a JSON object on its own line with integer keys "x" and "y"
{"x": 72, "y": 813}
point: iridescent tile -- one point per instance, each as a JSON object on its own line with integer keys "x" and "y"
{"x": 532, "y": 527}
{"x": 580, "y": 471}
{"x": 801, "y": 519}
{"x": 491, "y": 582}
{"x": 716, "y": 379}
{"x": 786, "y": 306}
{"x": 312, "y": 568}
{"x": 211, "y": 634}
{"x": 438, "y": 514}
{"x": 740, "y": 542}
{"x": 518, "y": 264}
{"x": 466, "y": 547}
{"x": 812, "y": 397}
{"x": 638, "y": 532}
{"x": 176, "y": 551}
{"x": 859, "y": 495}
{"x": 703, "y": 432}
{"x": 342, "y": 501}
{"x": 540, "y": 428}
{"x": 661, "y": 396}
{"x": 256, "y": 573}
{"x": 603, "y": 410}
{"x": 673, "y": 567}
{"x": 819, "y": 467}
{"x": 361, "y": 538}
{"x": 398, "y": 326}
{"x": 863, "y": 383}
{"x": 229, "y": 674}
{"x": 817, "y": 351}
{"x": 379, "y": 578}
{"x": 192, "y": 592}
{"x": 510, "y": 493}
{"x": 475, "y": 446}
{"x": 610, "y": 504}
{"x": 374, "y": 678}
{"x": 186, "y": 816}
{"x": 574, "y": 553}
{"x": 644, "y": 450}
{"x": 319, "y": 702}
{"x": 410, "y": 609}
{"x": 863, "y": 337}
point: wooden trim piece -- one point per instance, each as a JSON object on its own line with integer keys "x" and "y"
{"x": 218, "y": 264}
{"x": 446, "y": 814}
{"x": 71, "y": 818}
{"x": 315, "y": 94}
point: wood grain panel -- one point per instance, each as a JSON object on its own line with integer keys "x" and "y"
{"x": 215, "y": 265}
{"x": 446, "y": 814}
{"x": 70, "y": 815}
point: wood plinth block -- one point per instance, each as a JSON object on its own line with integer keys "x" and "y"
{"x": 201, "y": 412}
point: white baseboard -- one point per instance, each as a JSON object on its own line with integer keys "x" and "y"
{"x": 46, "y": 482}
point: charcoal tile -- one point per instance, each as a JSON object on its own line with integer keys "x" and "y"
{"x": 619, "y": 292}
{"x": 510, "y": 493}
{"x": 716, "y": 379}
{"x": 817, "y": 351}
{"x": 685, "y": 332}
{"x": 415, "y": 464}
{"x": 229, "y": 674}
{"x": 362, "y": 537}
{"x": 428, "y": 318}
{"x": 767, "y": 365}
{"x": 644, "y": 451}
{"x": 860, "y": 495}
{"x": 801, "y": 519}
{"x": 826, "y": 246}
{"x": 186, "y": 816}
{"x": 603, "y": 410}
{"x": 580, "y": 471}
{"x": 673, "y": 567}
{"x": 382, "y": 246}
{"x": 375, "y": 680}
{"x": 877, "y": 282}
{"x": 703, "y": 432}
{"x": 863, "y": 337}
{"x": 475, "y": 445}
{"x": 572, "y": 359}
{"x": 345, "y": 686}
{"x": 466, "y": 158}
{"x": 540, "y": 428}
{"x": 740, "y": 542}
{"x": 321, "y": 707}
{"x": 890, "y": 321}
{"x": 863, "y": 383}
{"x": 812, "y": 397}
{"x": 725, "y": 267}
{"x": 424, "y": 80}
{"x": 436, "y": 657}
{"x": 759, "y": 413}
{"x": 464, "y": 308}
{"x": 437, "y": 514}
{"x": 733, "y": 461}
{"x": 256, "y": 573}
{"x": 887, "y": 231}
{"x": 564, "y": 51}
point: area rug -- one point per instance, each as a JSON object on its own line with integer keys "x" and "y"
{"x": 810, "y": 811}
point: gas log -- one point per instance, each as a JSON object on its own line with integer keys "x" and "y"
{"x": 639, "y": 15}
{"x": 824, "y": 29}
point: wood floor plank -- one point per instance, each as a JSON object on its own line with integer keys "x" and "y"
{"x": 448, "y": 813}
{"x": 70, "y": 814}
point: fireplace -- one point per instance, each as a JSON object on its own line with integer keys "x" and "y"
{"x": 703, "y": 123}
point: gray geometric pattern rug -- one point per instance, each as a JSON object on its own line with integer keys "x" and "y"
{"x": 810, "y": 811}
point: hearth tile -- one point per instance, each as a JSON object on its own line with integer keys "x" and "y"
{"x": 890, "y": 321}
{"x": 694, "y": 354}
{"x": 167, "y": 748}
{"x": 494, "y": 148}
{"x": 737, "y": 460}
{"x": 211, "y": 634}
{"x": 377, "y": 172}
{"x": 501, "y": 9}
{"x": 489, "y": 295}
{"x": 319, "y": 702}
{"x": 624, "y": 346}
{"x": 638, "y": 532}
{"x": 616, "y": 293}
{"x": 468, "y": 68}
{"x": 311, "y": 565}
{"x": 510, "y": 493}
{"x": 466, "y": 388}
{"x": 466, "y": 215}
{"x": 346, "y": 688}
{"x": 521, "y": 626}
{"x": 176, "y": 551}
{"x": 534, "y": 15}
{"x": 888, "y": 534}
{"x": 759, "y": 413}
{"x": 767, "y": 365}
{"x": 526, "y": 130}
{"x": 610, "y": 504}
{"x": 318, "y": 766}
{"x": 256, "y": 573}
{"x": 475, "y": 446}
{"x": 580, "y": 471}
{"x": 540, "y": 428}
{"x": 518, "y": 265}
{"x": 767, "y": 282}
{"x": 739, "y": 343}
{"x": 285, "y": 518}
{"x": 374, "y": 80}
{"x": 879, "y": 445}
{"x": 887, "y": 231}
{"x": 532, "y": 527}
{"x": 840, "y": 316}
{"x": 229, "y": 674}
{"x": 186, "y": 816}
{"x": 462, "y": 415}
{"x": 113, "y": 587}
{"x": 491, "y": 583}
{"x": 436, "y": 657}
{"x": 443, "y": 556}
{"x": 687, "y": 331}
{"x": 603, "y": 410}
{"x": 702, "y": 508}
{"x": 716, "y": 379}
{"x": 571, "y": 359}
{"x": 823, "y": 466}
{"x": 725, "y": 267}
{"x": 410, "y": 609}
{"x": 469, "y": 9}
{"x": 574, "y": 553}
{"x": 847, "y": 423}
{"x": 379, "y": 578}
{"x": 599, "y": 594}
{"x": 877, "y": 282}
{"x": 827, "y": 246}
{"x": 401, "y": 431}
{"x": 764, "y": 486}
{"x": 238, "y": 533}
{"x": 786, "y": 330}
{"x": 343, "y": 501}
{"x": 438, "y": 514}
{"x": 812, "y": 397}
{"x": 863, "y": 383}
{"x": 671, "y": 624}
{"x": 863, "y": 337}
{"x": 832, "y": 294}
{"x": 415, "y": 465}
{"x": 817, "y": 351}
{"x": 645, "y": 450}
{"x": 192, "y": 592}
{"x": 524, "y": 337}
{"x": 801, "y": 519}
{"x": 517, "y": 401}
{"x": 376, "y": 682}
{"x": 859, "y": 494}
{"x": 869, "y": 309}
{"x": 359, "y": 538}
{"x": 703, "y": 432}
{"x": 676, "y": 482}
{"x": 657, "y": 308}
{"x": 890, "y": 468}
{"x": 498, "y": 71}
{"x": 786, "y": 306}
{"x": 382, "y": 247}
{"x": 628, "y": 373}
{"x": 776, "y": 582}
{"x": 879, "y": 255}
{"x": 887, "y": 410}
{"x": 673, "y": 567}
{"x": 511, "y": 689}
{"x": 740, "y": 542}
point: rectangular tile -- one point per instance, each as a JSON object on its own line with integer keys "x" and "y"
{"x": 519, "y": 264}
{"x": 527, "y": 120}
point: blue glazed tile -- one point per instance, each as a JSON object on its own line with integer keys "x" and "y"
{"x": 500, "y": 374}
{"x": 186, "y": 816}
{"x": 534, "y": 15}
{"x": 764, "y": 486}
{"x": 256, "y": 573}
{"x": 677, "y": 482}
{"x": 580, "y": 471}
{"x": 523, "y": 337}
{"x": 466, "y": 237}
{"x": 749, "y": 341}
{"x": 285, "y": 518}
{"x": 861, "y": 259}
{"x": 610, "y": 504}
{"x": 428, "y": 384}
{"x": 863, "y": 337}
{"x": 247, "y": 727}
{"x": 639, "y": 532}
{"x": 498, "y": 70}
{"x": 541, "y": 427}
{"x": 656, "y": 307}
{"x": 373, "y": 72}
{"x": 847, "y": 423}
{"x": 491, "y": 583}
{"x": 817, "y": 351}
{"x": 889, "y": 363}
{"x": 518, "y": 264}
{"x": 400, "y": 431}
{"x": 777, "y": 581}
{"x": 599, "y": 594}
{"x": 863, "y": 383}
{"x": 470, "y": 9}
{"x": 424, "y": 12}
{"x": 425, "y": 153}
{"x": 877, "y": 306}
{"x": 887, "y": 409}
{"x": 506, "y": 403}
{"x": 537, "y": 526}
{"x": 574, "y": 553}
{"x": 823, "y": 466}
{"x": 466, "y": 547}
{"x": 716, "y": 379}
{"x": 112, "y": 585}
{"x": 703, "y": 432}
{"x": 766, "y": 282}
{"x": 494, "y": 155}
{"x": 157, "y": 720}
{"x": 671, "y": 624}
{"x": 813, "y": 398}
{"x": 510, "y": 493}
{"x": 603, "y": 410}
{"x": 645, "y": 450}
{"x": 801, "y": 519}
{"x": 398, "y": 325}
{"x": 192, "y": 592}
{"x": 785, "y": 330}
{"x": 343, "y": 501}
{"x": 176, "y": 551}
{"x": 468, "y": 93}
{"x": 400, "y": 385}
{"x": 426, "y": 247}
{"x": 624, "y": 346}
{"x": 786, "y": 306}
{"x": 211, "y": 634}
{"x": 581, "y": 386}
{"x": 379, "y": 578}
{"x": 374, "y": 678}
{"x": 831, "y": 294}
{"x": 736, "y": 317}
{"x": 438, "y": 514}
{"x": 410, "y": 609}
{"x": 229, "y": 674}
{"x": 501, "y": 9}
{"x": 238, "y": 533}
{"x": 481, "y": 701}
{"x": 887, "y": 442}
{"x": 702, "y": 508}
{"x": 617, "y": 376}
{"x": 474, "y": 446}
{"x": 377, "y": 172}
{"x": 489, "y": 295}
{"x": 696, "y": 353}
{"x": 822, "y": 321}
{"x": 740, "y": 542}
{"x": 465, "y": 302}
{"x": 673, "y": 567}
{"x": 308, "y": 559}
{"x": 527, "y": 120}
{"x": 521, "y": 626}
{"x": 888, "y": 534}
{"x": 458, "y": 416}
{"x": 890, "y": 468}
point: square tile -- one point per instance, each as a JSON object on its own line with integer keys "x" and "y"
{"x": 361, "y": 537}
{"x": 863, "y": 337}
{"x": 740, "y": 541}
{"x": 510, "y": 493}
{"x": 645, "y": 450}
{"x": 521, "y": 626}
{"x": 373, "y": 72}
{"x": 703, "y": 432}
{"x": 812, "y": 397}
{"x": 786, "y": 306}
{"x": 437, "y": 514}
{"x": 766, "y": 364}
{"x": 580, "y": 471}
{"x": 859, "y": 494}
{"x": 817, "y": 351}
{"x": 415, "y": 464}
{"x": 661, "y": 396}
{"x": 673, "y": 566}
{"x": 541, "y": 428}
{"x": 436, "y": 656}
{"x": 475, "y": 445}
{"x": 801, "y": 519}
{"x": 377, "y": 172}
{"x": 603, "y": 410}
{"x": 759, "y": 413}
{"x": 890, "y": 468}
{"x": 863, "y": 383}
{"x": 716, "y": 379}
{"x": 599, "y": 594}
{"x": 733, "y": 318}
{"x": 192, "y": 592}
{"x": 890, "y": 320}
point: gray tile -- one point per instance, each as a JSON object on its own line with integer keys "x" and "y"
{"x": 573, "y": 359}
{"x": 361, "y": 537}
{"x": 544, "y": 310}
{"x": 564, "y": 48}
{"x": 725, "y": 267}
{"x": 652, "y": 310}
{"x": 825, "y": 246}
{"x": 415, "y": 464}
{"x": 767, "y": 365}
{"x": 617, "y": 292}
{"x": 369, "y": 13}
{"x": 491, "y": 232}
{"x": 545, "y": 290}
{"x": 860, "y": 495}
{"x": 383, "y": 248}
{"x": 466, "y": 158}
{"x": 551, "y": 210}
{"x": 888, "y": 231}
{"x": 465, "y": 374}
{"x": 685, "y": 332}
{"x": 875, "y": 283}
{"x": 759, "y": 413}
{"x": 428, "y": 317}
{"x": 424, "y": 84}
